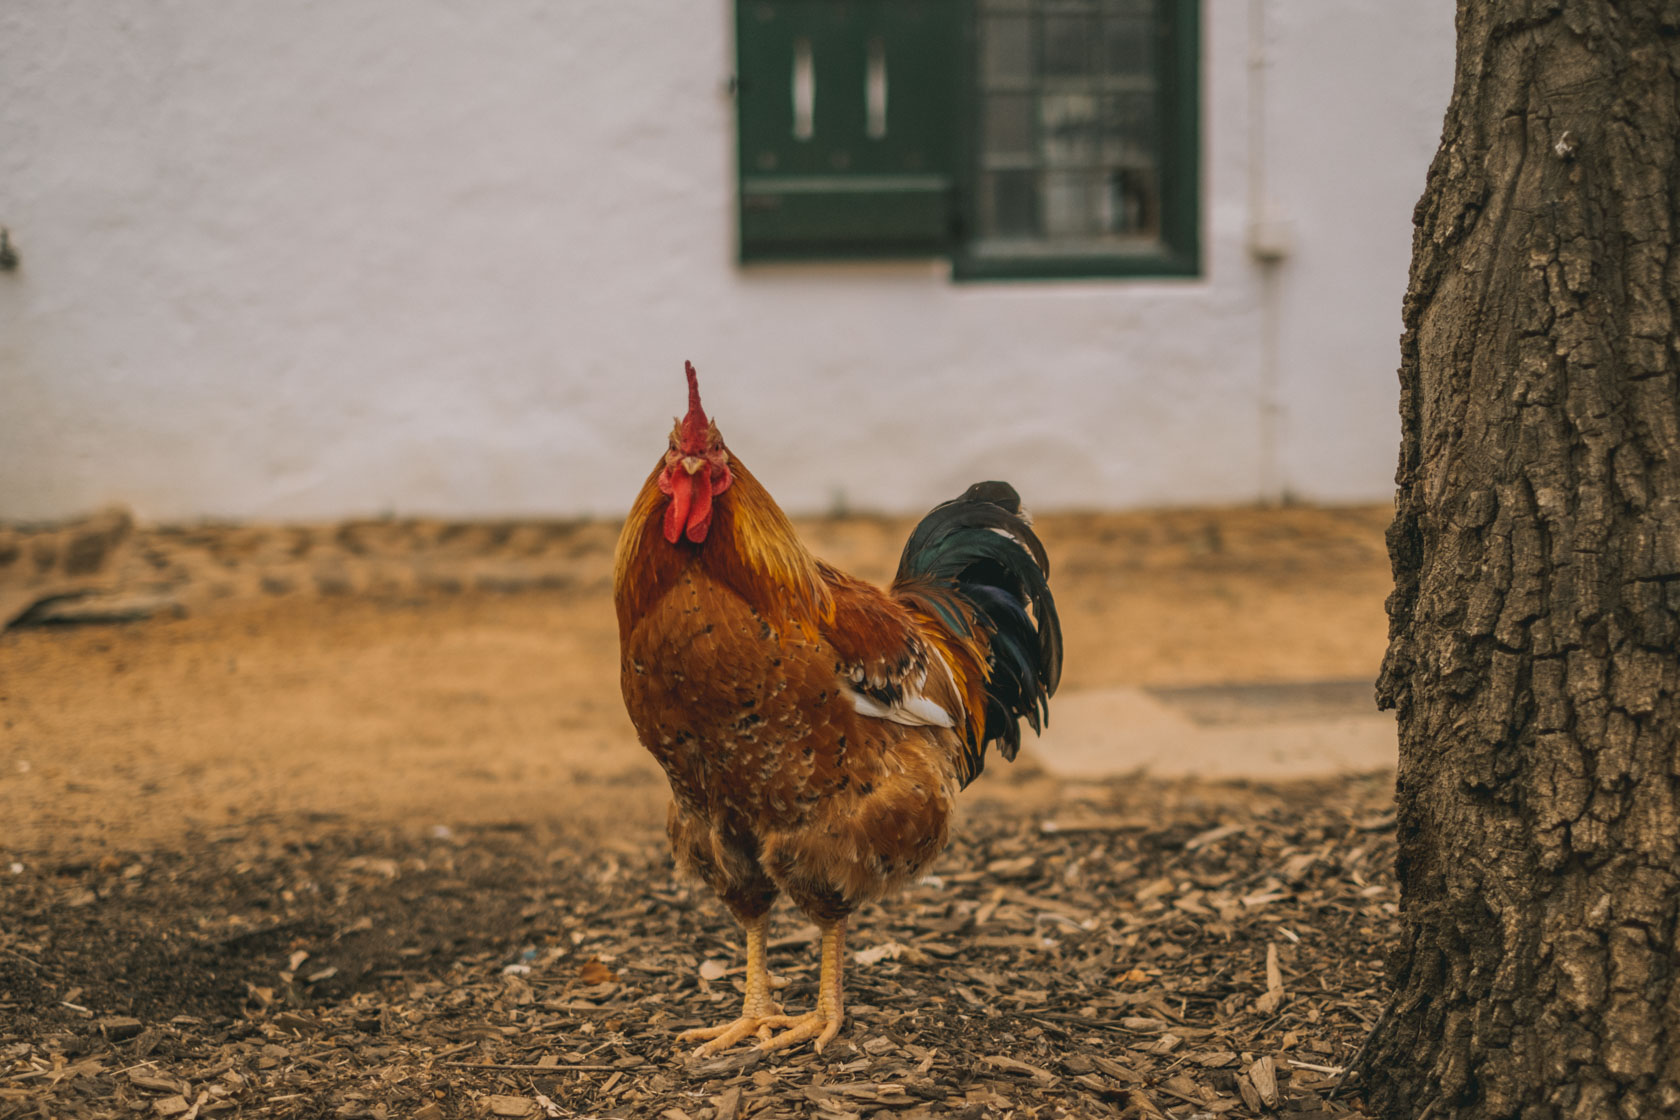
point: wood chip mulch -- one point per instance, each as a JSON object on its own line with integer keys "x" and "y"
{"x": 1133, "y": 949}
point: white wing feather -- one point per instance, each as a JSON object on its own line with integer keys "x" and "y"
{"x": 914, "y": 708}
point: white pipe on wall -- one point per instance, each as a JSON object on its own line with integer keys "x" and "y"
{"x": 1268, "y": 246}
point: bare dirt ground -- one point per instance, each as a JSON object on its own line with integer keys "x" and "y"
{"x": 353, "y": 824}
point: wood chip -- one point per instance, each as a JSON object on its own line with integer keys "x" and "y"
{"x": 1115, "y": 1069}
{"x": 1263, "y": 1076}
{"x": 727, "y": 1104}
{"x": 990, "y": 906}
{"x": 1250, "y": 1095}
{"x": 1145, "y": 1104}
{"x": 1186, "y": 1088}
{"x": 120, "y": 1027}
{"x": 1272, "y": 998}
{"x": 890, "y": 951}
{"x": 1142, "y": 1025}
{"x": 1212, "y": 836}
{"x": 1019, "y": 868}
{"x": 1094, "y": 824}
{"x": 1014, "y": 1065}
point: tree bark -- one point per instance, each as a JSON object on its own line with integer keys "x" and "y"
{"x": 1536, "y": 611}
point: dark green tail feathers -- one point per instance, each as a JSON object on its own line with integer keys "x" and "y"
{"x": 984, "y": 546}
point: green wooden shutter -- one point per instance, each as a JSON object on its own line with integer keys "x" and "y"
{"x": 847, "y": 123}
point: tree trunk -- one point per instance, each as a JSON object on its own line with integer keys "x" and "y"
{"x": 1536, "y": 612}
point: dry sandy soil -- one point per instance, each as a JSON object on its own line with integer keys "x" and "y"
{"x": 413, "y": 673}
{"x": 273, "y": 849}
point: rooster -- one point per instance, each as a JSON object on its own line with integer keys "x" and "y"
{"x": 815, "y": 729}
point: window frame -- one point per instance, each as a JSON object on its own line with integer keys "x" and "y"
{"x": 1178, "y": 251}
{"x": 789, "y": 221}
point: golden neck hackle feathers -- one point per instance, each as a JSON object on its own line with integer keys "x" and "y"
{"x": 751, "y": 546}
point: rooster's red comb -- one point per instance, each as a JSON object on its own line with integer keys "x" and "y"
{"x": 694, "y": 427}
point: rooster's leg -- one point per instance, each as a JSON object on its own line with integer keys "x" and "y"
{"x": 823, "y": 1023}
{"x": 756, "y": 1009}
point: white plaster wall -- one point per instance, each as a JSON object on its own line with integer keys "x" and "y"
{"x": 323, "y": 258}
{"x": 1355, "y": 95}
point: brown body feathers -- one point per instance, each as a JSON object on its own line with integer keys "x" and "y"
{"x": 815, "y": 729}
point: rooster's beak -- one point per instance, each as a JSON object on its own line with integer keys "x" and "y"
{"x": 691, "y": 463}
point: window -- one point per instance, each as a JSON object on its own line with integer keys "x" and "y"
{"x": 1084, "y": 157}
{"x": 1019, "y": 137}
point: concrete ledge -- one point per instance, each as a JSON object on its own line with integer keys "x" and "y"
{"x": 1112, "y": 732}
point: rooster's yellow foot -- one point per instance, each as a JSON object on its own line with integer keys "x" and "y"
{"x": 715, "y": 1039}
{"x": 820, "y": 1025}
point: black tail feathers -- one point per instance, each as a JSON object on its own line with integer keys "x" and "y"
{"x": 984, "y": 545}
